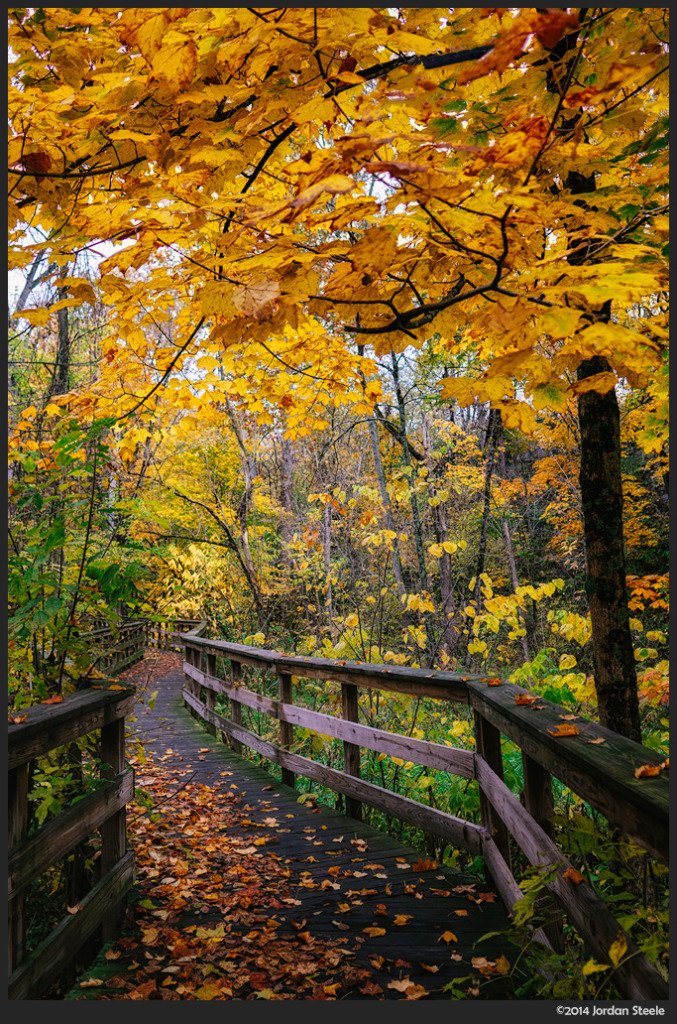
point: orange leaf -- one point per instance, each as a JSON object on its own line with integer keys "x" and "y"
{"x": 374, "y": 932}
{"x": 564, "y": 730}
{"x": 573, "y": 876}
{"x": 16, "y": 719}
{"x": 494, "y": 681}
{"x": 402, "y": 918}
{"x": 424, "y": 865}
{"x": 447, "y": 937}
{"x": 647, "y": 770}
{"x": 53, "y": 700}
{"x": 525, "y": 698}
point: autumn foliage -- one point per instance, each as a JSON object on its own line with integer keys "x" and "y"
{"x": 329, "y": 276}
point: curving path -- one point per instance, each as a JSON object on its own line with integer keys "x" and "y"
{"x": 349, "y": 912}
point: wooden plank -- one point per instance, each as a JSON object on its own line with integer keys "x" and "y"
{"x": 488, "y": 745}
{"x": 113, "y": 829}
{"x": 539, "y": 803}
{"x": 636, "y": 977}
{"x": 351, "y": 750}
{"x": 602, "y": 774}
{"x": 235, "y": 705}
{"x": 431, "y": 755}
{"x": 457, "y": 831}
{"x": 28, "y": 859}
{"x": 52, "y": 725}
{"x": 286, "y": 696}
{"x": 18, "y": 830}
{"x": 401, "y": 679}
{"x": 44, "y": 964}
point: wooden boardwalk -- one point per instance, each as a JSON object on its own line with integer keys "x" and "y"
{"x": 347, "y": 912}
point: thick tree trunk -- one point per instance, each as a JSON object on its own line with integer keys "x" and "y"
{"x": 602, "y": 496}
{"x": 601, "y": 493}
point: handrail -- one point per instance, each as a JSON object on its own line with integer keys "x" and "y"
{"x": 603, "y": 777}
{"x": 44, "y": 728}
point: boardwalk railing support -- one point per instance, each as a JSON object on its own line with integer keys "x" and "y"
{"x": 604, "y": 779}
{"x": 286, "y": 728}
{"x": 30, "y": 855}
{"x": 351, "y": 751}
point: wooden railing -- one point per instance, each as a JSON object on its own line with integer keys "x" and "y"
{"x": 44, "y": 728}
{"x": 600, "y": 772}
{"x": 167, "y": 633}
{"x": 123, "y": 650}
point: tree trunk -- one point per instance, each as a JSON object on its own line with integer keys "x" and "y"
{"x": 286, "y": 480}
{"x": 59, "y": 382}
{"x": 602, "y": 497}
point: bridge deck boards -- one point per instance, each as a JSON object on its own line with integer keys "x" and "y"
{"x": 318, "y": 838}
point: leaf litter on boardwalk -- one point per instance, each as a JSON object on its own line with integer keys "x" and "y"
{"x": 209, "y": 917}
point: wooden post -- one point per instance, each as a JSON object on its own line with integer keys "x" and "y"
{"x": 235, "y": 706}
{"x": 488, "y": 744}
{"x": 286, "y": 729}
{"x": 539, "y": 803}
{"x": 209, "y": 668}
{"x": 351, "y": 751}
{"x": 18, "y": 830}
{"x": 113, "y": 831}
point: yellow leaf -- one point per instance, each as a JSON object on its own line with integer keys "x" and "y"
{"x": 374, "y": 932}
{"x": 618, "y": 949}
{"x": 592, "y": 968}
{"x": 447, "y": 937}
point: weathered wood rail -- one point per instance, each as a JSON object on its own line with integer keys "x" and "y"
{"x": 120, "y": 650}
{"x": 602, "y": 774}
{"x": 46, "y": 727}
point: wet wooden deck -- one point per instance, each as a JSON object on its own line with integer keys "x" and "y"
{"x": 359, "y": 909}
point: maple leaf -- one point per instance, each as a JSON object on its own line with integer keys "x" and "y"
{"x": 424, "y": 864}
{"x": 16, "y": 719}
{"x": 647, "y": 771}
{"x": 572, "y": 875}
{"x": 257, "y": 299}
{"x": 447, "y": 937}
{"x": 566, "y": 729}
{"x": 53, "y": 700}
{"x": 526, "y": 698}
{"x": 373, "y": 932}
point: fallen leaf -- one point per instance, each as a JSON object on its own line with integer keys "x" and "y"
{"x": 91, "y": 983}
{"x": 402, "y": 918}
{"x": 400, "y": 985}
{"x": 16, "y": 719}
{"x": 572, "y": 875}
{"x": 431, "y": 968}
{"x": 57, "y": 699}
{"x": 447, "y": 937}
{"x": 373, "y": 932}
{"x": 461, "y": 913}
{"x": 371, "y": 988}
{"x": 526, "y": 698}
{"x": 598, "y": 739}
{"x": 564, "y": 730}
{"x": 647, "y": 770}
{"x": 494, "y": 681}
{"x": 424, "y": 865}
